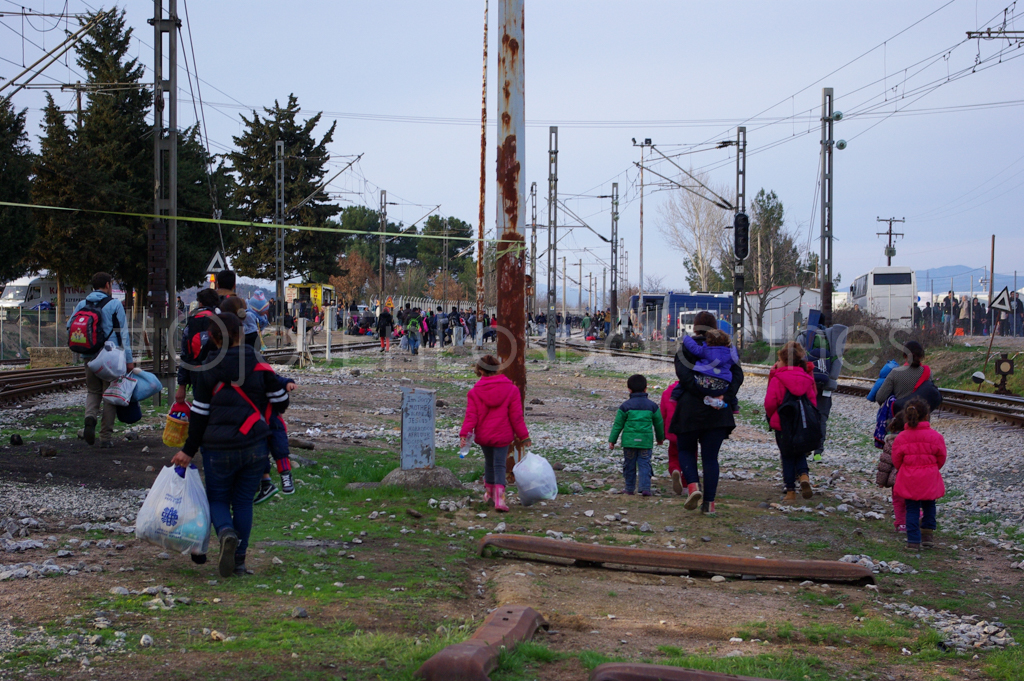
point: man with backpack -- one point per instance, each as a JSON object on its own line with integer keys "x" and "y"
{"x": 93, "y": 322}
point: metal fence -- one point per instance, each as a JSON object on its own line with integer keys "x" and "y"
{"x": 24, "y": 329}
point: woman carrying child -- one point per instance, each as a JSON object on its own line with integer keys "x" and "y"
{"x": 494, "y": 415}
{"x": 919, "y": 452}
{"x": 792, "y": 375}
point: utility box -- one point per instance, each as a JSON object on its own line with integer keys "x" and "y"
{"x": 418, "y": 417}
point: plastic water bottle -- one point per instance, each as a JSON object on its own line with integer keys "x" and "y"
{"x": 716, "y": 402}
{"x": 465, "y": 448}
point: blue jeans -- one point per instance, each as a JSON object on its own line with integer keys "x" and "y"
{"x": 494, "y": 464}
{"x": 915, "y": 523}
{"x": 414, "y": 342}
{"x": 232, "y": 478}
{"x": 633, "y": 459}
{"x": 710, "y": 442}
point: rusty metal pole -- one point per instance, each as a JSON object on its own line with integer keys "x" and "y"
{"x": 511, "y": 286}
{"x": 478, "y": 332}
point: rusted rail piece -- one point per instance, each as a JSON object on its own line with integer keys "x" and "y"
{"x": 476, "y": 657}
{"x": 624, "y": 671}
{"x": 819, "y": 570}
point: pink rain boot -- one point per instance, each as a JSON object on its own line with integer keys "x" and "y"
{"x": 499, "y": 499}
{"x": 489, "y": 492}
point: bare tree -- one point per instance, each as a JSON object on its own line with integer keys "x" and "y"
{"x": 695, "y": 227}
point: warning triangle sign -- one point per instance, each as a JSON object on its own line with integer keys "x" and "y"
{"x": 217, "y": 263}
{"x": 1002, "y": 301}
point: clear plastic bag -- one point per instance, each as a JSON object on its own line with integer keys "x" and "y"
{"x": 110, "y": 363}
{"x": 119, "y": 392}
{"x": 147, "y": 386}
{"x": 535, "y": 479}
{"x": 176, "y": 514}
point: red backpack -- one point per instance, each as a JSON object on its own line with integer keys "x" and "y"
{"x": 86, "y": 325}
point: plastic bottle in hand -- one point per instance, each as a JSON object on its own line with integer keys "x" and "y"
{"x": 465, "y": 447}
{"x": 716, "y": 402}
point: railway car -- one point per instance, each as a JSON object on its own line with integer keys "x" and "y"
{"x": 888, "y": 293}
{"x": 672, "y": 313}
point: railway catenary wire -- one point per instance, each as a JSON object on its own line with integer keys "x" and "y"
{"x": 998, "y": 408}
{"x": 18, "y": 385}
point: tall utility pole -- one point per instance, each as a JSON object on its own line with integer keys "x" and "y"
{"x": 890, "y": 250}
{"x": 511, "y": 199}
{"x": 613, "y": 305}
{"x": 533, "y": 246}
{"x": 604, "y": 288}
{"x": 640, "y": 296}
{"x": 383, "y": 230}
{"x": 738, "y": 287}
{"x": 165, "y": 174}
{"x": 826, "y": 206}
{"x": 552, "y": 236}
{"x": 579, "y": 300}
{"x": 279, "y": 220}
{"x": 564, "y": 276}
{"x": 480, "y": 287}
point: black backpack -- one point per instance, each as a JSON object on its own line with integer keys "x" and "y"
{"x": 800, "y": 423}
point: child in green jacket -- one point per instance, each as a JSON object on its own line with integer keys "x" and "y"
{"x": 637, "y": 418}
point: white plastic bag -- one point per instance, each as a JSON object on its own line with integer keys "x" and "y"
{"x": 535, "y": 479}
{"x": 176, "y": 514}
{"x": 119, "y": 392}
{"x": 109, "y": 364}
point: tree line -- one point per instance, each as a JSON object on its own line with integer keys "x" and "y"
{"x": 103, "y": 160}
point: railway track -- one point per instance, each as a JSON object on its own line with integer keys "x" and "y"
{"x": 18, "y": 385}
{"x": 998, "y": 408}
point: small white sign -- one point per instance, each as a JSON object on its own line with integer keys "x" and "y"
{"x": 217, "y": 264}
{"x": 1002, "y": 301}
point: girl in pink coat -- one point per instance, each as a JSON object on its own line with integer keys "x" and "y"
{"x": 919, "y": 452}
{"x": 494, "y": 414}
{"x": 791, "y": 374}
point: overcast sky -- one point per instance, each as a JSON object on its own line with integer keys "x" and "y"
{"x": 679, "y": 73}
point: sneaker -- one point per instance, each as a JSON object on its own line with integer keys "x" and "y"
{"x": 693, "y": 498}
{"x": 708, "y": 508}
{"x": 267, "y": 490}
{"x": 107, "y": 444}
{"x": 645, "y": 493}
{"x": 228, "y": 546}
{"x": 805, "y": 486}
{"x": 901, "y": 529}
{"x": 817, "y": 456}
{"x": 287, "y": 483}
{"x": 90, "y": 430}
{"x": 242, "y": 571}
{"x": 198, "y": 558}
{"x": 677, "y": 482}
{"x": 913, "y": 547}
{"x": 790, "y": 495}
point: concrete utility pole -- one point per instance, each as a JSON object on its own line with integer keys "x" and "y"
{"x": 279, "y": 220}
{"x": 890, "y": 250}
{"x": 826, "y": 205}
{"x": 738, "y": 287}
{"x": 165, "y": 188}
{"x": 533, "y": 247}
{"x": 511, "y": 200}
{"x": 383, "y": 247}
{"x": 579, "y": 299}
{"x": 640, "y": 293}
{"x": 552, "y": 236}
{"x": 564, "y": 265}
{"x": 480, "y": 286}
{"x": 604, "y": 288}
{"x": 613, "y": 304}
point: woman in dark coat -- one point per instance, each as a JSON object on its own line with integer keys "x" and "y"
{"x": 695, "y": 422}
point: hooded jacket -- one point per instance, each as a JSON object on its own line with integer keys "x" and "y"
{"x": 691, "y": 414}
{"x": 919, "y": 452}
{"x": 639, "y": 421}
{"x": 798, "y": 380}
{"x": 234, "y": 396}
{"x": 494, "y": 412}
{"x": 111, "y": 311}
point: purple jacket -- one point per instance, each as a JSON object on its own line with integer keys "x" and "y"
{"x": 715, "y": 361}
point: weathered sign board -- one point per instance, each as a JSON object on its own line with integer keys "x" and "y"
{"x": 418, "y": 418}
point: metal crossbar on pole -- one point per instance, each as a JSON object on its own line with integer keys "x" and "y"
{"x": 827, "y": 145}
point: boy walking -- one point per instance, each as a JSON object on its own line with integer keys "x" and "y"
{"x": 639, "y": 422}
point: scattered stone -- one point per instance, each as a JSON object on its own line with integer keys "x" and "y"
{"x": 576, "y": 488}
{"x": 119, "y": 591}
{"x": 276, "y": 561}
{"x": 440, "y": 403}
{"x": 705, "y": 539}
{"x": 149, "y": 469}
{"x": 669, "y": 528}
{"x": 413, "y": 512}
{"x": 422, "y": 478}
{"x": 718, "y": 579}
{"x": 46, "y": 452}
{"x": 536, "y": 400}
{"x": 589, "y": 514}
{"x": 163, "y": 555}
{"x": 216, "y": 636}
{"x": 299, "y": 613}
{"x": 500, "y": 527}
{"x": 843, "y": 508}
{"x": 146, "y": 641}
{"x": 646, "y": 527}
{"x": 16, "y": 440}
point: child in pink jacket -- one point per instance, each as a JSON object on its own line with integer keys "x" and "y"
{"x": 919, "y": 452}
{"x": 494, "y": 414}
{"x": 791, "y": 374}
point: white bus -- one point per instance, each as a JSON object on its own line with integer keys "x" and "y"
{"x": 887, "y": 293}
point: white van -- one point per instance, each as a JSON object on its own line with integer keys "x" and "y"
{"x": 28, "y": 293}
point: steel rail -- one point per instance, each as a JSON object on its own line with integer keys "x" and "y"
{"x": 476, "y": 657}
{"x": 634, "y": 671}
{"x": 589, "y": 554}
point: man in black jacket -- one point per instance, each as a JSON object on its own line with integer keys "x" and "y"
{"x": 234, "y": 392}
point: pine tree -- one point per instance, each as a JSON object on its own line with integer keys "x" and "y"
{"x": 16, "y": 228}
{"x": 119, "y": 146}
{"x": 430, "y": 252}
{"x": 313, "y": 255}
{"x": 67, "y": 244}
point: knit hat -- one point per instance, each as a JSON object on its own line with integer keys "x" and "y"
{"x": 258, "y": 303}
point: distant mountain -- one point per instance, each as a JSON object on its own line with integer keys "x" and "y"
{"x": 962, "y": 278}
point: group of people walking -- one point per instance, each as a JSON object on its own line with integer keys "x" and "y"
{"x": 970, "y": 317}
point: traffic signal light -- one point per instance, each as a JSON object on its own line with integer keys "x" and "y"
{"x": 741, "y": 235}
